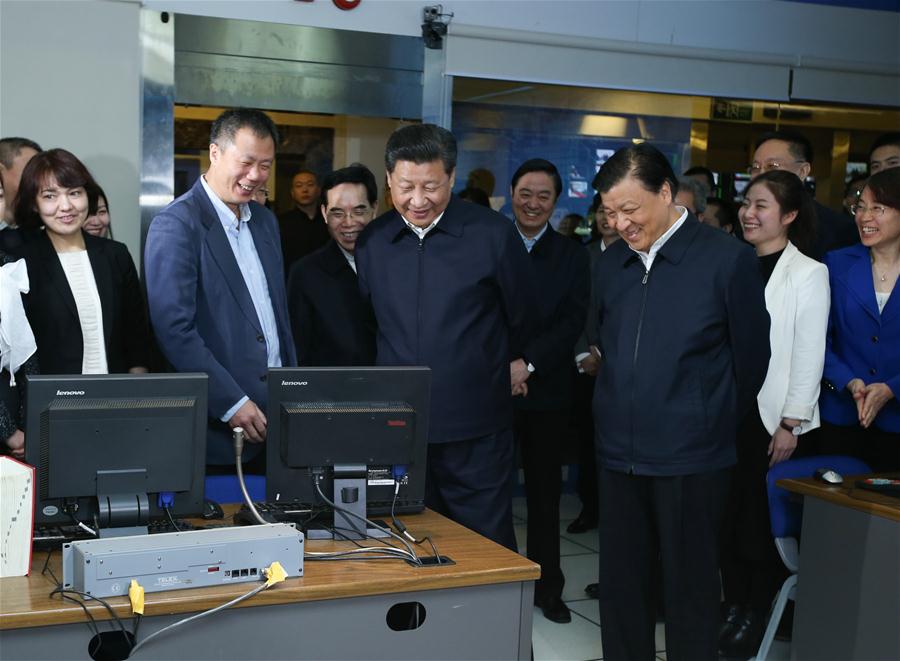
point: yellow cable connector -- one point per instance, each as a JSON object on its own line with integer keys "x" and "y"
{"x": 136, "y": 594}
{"x": 275, "y": 574}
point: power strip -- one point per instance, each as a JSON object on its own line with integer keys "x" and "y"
{"x": 178, "y": 560}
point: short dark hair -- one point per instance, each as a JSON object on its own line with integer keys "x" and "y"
{"x": 791, "y": 195}
{"x": 353, "y": 174}
{"x": 798, "y": 144}
{"x": 68, "y": 171}
{"x": 883, "y": 141}
{"x": 226, "y": 125}
{"x": 642, "y": 161}
{"x": 306, "y": 171}
{"x": 853, "y": 181}
{"x": 475, "y": 195}
{"x": 12, "y": 147}
{"x": 724, "y": 212}
{"x": 538, "y": 165}
{"x": 706, "y": 172}
{"x": 885, "y": 187}
{"x": 421, "y": 143}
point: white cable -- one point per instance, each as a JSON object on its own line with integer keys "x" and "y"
{"x": 86, "y": 528}
{"x": 243, "y": 597}
{"x": 238, "y": 438}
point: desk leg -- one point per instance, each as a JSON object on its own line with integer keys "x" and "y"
{"x": 848, "y": 587}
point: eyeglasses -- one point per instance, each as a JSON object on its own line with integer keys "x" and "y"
{"x": 861, "y": 210}
{"x": 359, "y": 213}
{"x": 768, "y": 166}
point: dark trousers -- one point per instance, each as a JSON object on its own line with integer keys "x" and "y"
{"x": 586, "y": 486}
{"x": 751, "y": 569}
{"x": 678, "y": 518}
{"x": 879, "y": 449}
{"x": 539, "y": 435}
{"x": 471, "y": 483}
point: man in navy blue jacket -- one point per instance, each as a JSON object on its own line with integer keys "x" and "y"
{"x": 541, "y": 418}
{"x": 684, "y": 337}
{"x": 451, "y": 288}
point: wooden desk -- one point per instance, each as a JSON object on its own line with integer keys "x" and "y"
{"x": 848, "y": 587}
{"x": 479, "y": 608}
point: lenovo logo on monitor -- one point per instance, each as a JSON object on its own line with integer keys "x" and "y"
{"x": 60, "y": 393}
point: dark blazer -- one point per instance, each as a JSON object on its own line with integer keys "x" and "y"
{"x": 685, "y": 351}
{"x": 202, "y": 312}
{"x": 562, "y": 275}
{"x": 460, "y": 302}
{"x": 833, "y": 230}
{"x": 332, "y": 323}
{"x": 53, "y": 316}
{"x": 300, "y": 236}
{"x": 861, "y": 343}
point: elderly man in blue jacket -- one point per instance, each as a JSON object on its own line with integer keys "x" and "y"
{"x": 684, "y": 338}
{"x": 451, "y": 287}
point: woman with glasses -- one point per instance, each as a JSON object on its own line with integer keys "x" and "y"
{"x": 862, "y": 360}
{"x": 85, "y": 303}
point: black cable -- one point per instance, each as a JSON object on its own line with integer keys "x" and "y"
{"x": 103, "y": 602}
{"x": 171, "y": 518}
{"x": 412, "y": 554}
{"x": 46, "y": 569}
{"x": 401, "y": 528}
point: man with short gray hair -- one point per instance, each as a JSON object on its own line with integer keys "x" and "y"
{"x": 14, "y": 156}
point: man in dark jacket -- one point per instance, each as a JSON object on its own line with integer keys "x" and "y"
{"x": 452, "y": 288}
{"x": 684, "y": 338}
{"x": 541, "y": 418}
{"x": 332, "y": 323}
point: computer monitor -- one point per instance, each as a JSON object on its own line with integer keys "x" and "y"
{"x": 115, "y": 451}
{"x": 353, "y": 427}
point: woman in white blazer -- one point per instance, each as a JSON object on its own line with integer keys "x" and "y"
{"x": 778, "y": 218}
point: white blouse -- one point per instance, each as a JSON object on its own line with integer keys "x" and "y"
{"x": 882, "y": 298}
{"x": 77, "y": 268}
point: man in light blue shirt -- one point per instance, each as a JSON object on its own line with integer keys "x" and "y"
{"x": 215, "y": 287}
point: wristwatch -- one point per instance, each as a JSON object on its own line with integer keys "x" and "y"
{"x": 796, "y": 431}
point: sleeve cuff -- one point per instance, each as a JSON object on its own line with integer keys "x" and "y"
{"x": 230, "y": 412}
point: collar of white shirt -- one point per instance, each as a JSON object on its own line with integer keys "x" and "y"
{"x": 226, "y": 215}
{"x": 530, "y": 241}
{"x": 648, "y": 257}
{"x": 422, "y": 231}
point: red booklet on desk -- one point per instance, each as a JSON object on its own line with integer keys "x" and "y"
{"x": 16, "y": 517}
{"x": 887, "y": 485}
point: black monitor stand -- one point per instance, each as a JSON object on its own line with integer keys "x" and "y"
{"x": 349, "y": 484}
{"x": 124, "y": 508}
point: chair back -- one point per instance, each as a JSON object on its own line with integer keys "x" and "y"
{"x": 224, "y": 489}
{"x": 786, "y": 512}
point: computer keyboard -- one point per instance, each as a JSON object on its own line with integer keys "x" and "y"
{"x": 297, "y": 513}
{"x": 52, "y": 537}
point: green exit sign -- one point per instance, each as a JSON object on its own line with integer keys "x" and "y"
{"x": 733, "y": 110}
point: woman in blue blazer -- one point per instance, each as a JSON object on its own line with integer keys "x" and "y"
{"x": 862, "y": 360}
{"x": 778, "y": 219}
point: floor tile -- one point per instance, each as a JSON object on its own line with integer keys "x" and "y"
{"x": 589, "y": 539}
{"x": 586, "y": 608}
{"x": 576, "y": 641}
{"x": 566, "y": 546}
{"x": 579, "y": 570}
{"x": 661, "y": 638}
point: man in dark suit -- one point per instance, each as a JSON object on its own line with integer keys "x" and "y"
{"x": 302, "y": 228}
{"x": 332, "y": 323}
{"x": 683, "y": 335}
{"x": 452, "y": 289}
{"x": 215, "y": 284}
{"x": 541, "y": 418}
{"x": 791, "y": 151}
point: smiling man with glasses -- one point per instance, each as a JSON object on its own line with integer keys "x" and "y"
{"x": 791, "y": 151}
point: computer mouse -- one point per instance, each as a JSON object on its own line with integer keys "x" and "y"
{"x": 828, "y": 476}
{"x": 212, "y": 510}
